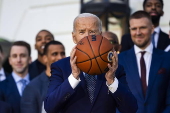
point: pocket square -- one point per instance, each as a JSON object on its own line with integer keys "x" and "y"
{"x": 162, "y": 71}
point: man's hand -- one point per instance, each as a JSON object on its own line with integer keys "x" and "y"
{"x": 110, "y": 75}
{"x": 74, "y": 68}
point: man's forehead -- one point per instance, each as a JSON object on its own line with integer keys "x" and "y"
{"x": 18, "y": 49}
{"x": 158, "y": 1}
{"x": 86, "y": 21}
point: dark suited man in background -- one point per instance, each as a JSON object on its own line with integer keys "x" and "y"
{"x": 68, "y": 90}
{"x": 38, "y": 66}
{"x": 35, "y": 92}
{"x": 3, "y": 74}
{"x": 112, "y": 37}
{"x": 147, "y": 68}
{"x": 160, "y": 39}
{"x": 11, "y": 89}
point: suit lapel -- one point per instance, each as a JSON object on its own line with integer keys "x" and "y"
{"x": 133, "y": 73}
{"x": 160, "y": 41}
{"x": 155, "y": 65}
{"x": 13, "y": 88}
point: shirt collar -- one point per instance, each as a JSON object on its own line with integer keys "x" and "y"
{"x": 157, "y": 29}
{"x": 2, "y": 71}
{"x": 148, "y": 49}
{"x": 18, "y": 78}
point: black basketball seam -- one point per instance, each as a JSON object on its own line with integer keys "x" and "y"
{"x": 86, "y": 60}
{"x": 94, "y": 58}
{"x": 94, "y": 55}
{"x": 104, "y": 53}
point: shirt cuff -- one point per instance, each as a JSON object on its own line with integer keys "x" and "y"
{"x": 113, "y": 87}
{"x": 73, "y": 81}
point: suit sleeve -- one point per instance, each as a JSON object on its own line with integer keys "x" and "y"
{"x": 126, "y": 102}
{"x": 59, "y": 90}
{"x": 29, "y": 102}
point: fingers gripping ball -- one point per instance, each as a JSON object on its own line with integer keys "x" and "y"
{"x": 93, "y": 53}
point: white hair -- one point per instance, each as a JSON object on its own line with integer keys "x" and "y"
{"x": 88, "y": 15}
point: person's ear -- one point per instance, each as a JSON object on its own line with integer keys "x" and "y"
{"x": 45, "y": 59}
{"x": 30, "y": 60}
{"x": 74, "y": 38}
{"x": 9, "y": 59}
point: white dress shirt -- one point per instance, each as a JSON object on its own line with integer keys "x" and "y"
{"x": 167, "y": 48}
{"x": 43, "y": 110}
{"x": 74, "y": 82}
{"x": 18, "y": 83}
{"x": 2, "y": 74}
{"x": 147, "y": 58}
{"x": 156, "y": 36}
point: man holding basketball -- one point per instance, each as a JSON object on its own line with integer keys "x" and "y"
{"x": 67, "y": 91}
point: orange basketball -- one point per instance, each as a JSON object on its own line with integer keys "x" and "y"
{"x": 93, "y": 53}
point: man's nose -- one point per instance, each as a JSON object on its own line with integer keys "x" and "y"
{"x": 18, "y": 59}
{"x": 138, "y": 32}
{"x": 60, "y": 57}
{"x": 153, "y": 6}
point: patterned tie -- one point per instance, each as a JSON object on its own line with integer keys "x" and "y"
{"x": 143, "y": 73}
{"x": 91, "y": 82}
{"x": 153, "y": 41}
{"x": 23, "y": 82}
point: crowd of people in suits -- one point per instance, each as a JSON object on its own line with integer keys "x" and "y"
{"x": 16, "y": 96}
{"x": 138, "y": 81}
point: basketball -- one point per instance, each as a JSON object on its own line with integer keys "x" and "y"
{"x": 93, "y": 53}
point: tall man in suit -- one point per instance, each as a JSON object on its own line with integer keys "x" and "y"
{"x": 3, "y": 74}
{"x": 38, "y": 66}
{"x": 147, "y": 68}
{"x": 11, "y": 89}
{"x": 35, "y": 92}
{"x": 69, "y": 89}
{"x": 160, "y": 39}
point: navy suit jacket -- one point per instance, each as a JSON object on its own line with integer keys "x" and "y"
{"x": 127, "y": 42}
{"x": 10, "y": 94}
{"x": 36, "y": 68}
{"x": 5, "y": 107}
{"x": 157, "y": 98}
{"x": 34, "y": 94}
{"x": 62, "y": 98}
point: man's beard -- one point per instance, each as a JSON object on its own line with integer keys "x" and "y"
{"x": 155, "y": 19}
{"x": 40, "y": 53}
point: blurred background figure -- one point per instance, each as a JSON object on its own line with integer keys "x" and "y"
{"x": 3, "y": 74}
{"x": 35, "y": 92}
{"x": 38, "y": 66}
{"x": 160, "y": 39}
{"x": 12, "y": 87}
{"x": 112, "y": 37}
